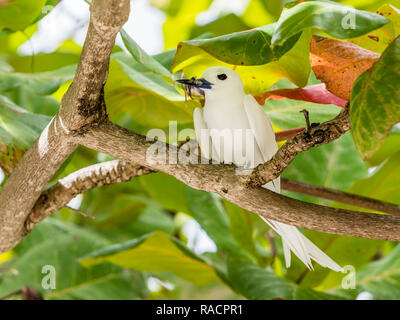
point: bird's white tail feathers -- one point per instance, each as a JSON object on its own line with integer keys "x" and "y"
{"x": 294, "y": 240}
{"x": 304, "y": 249}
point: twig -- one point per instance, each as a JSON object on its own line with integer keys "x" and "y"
{"x": 307, "y": 117}
{"x": 317, "y": 135}
{"x": 15, "y": 293}
{"x": 340, "y": 196}
{"x": 83, "y": 213}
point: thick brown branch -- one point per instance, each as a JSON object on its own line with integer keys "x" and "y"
{"x": 117, "y": 171}
{"x": 78, "y": 182}
{"x": 28, "y": 179}
{"x": 82, "y": 104}
{"x": 317, "y": 135}
{"x": 340, "y": 196}
{"x": 222, "y": 179}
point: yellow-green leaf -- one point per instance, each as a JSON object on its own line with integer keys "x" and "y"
{"x": 258, "y": 71}
{"x": 155, "y": 252}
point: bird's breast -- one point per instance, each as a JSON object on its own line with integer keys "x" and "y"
{"x": 231, "y": 133}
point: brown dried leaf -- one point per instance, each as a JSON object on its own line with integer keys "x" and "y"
{"x": 338, "y": 63}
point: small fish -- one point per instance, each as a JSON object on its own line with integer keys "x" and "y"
{"x": 194, "y": 83}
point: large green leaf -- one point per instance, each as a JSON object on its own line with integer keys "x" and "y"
{"x": 19, "y": 14}
{"x": 389, "y": 147}
{"x": 145, "y": 96}
{"x": 383, "y": 184}
{"x": 250, "y": 54}
{"x": 249, "y": 48}
{"x": 41, "y": 83}
{"x": 241, "y": 226}
{"x": 166, "y": 190}
{"x": 229, "y": 23}
{"x": 155, "y": 252}
{"x": 58, "y": 244}
{"x": 261, "y": 284}
{"x": 19, "y": 127}
{"x": 207, "y": 210}
{"x": 378, "y": 40}
{"x": 375, "y": 102}
{"x": 142, "y": 57}
{"x": 333, "y": 18}
{"x": 380, "y": 278}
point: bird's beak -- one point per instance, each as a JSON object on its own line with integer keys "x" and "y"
{"x": 196, "y": 83}
{"x": 195, "y": 86}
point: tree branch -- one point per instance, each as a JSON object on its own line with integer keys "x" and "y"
{"x": 116, "y": 171}
{"x": 340, "y": 196}
{"x": 83, "y": 104}
{"x": 78, "y": 182}
{"x": 222, "y": 179}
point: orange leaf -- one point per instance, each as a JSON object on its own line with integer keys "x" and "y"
{"x": 338, "y": 63}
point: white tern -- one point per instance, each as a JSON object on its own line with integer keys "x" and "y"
{"x": 231, "y": 114}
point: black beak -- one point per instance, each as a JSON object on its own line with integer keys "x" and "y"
{"x": 197, "y": 83}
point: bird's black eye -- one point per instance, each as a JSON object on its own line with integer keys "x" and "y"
{"x": 222, "y": 76}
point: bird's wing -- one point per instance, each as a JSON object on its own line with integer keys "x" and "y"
{"x": 203, "y": 136}
{"x": 263, "y": 132}
{"x": 261, "y": 126}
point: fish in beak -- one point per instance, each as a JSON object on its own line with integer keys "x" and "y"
{"x": 194, "y": 87}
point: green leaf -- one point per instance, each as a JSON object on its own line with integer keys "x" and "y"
{"x": 257, "y": 63}
{"x": 181, "y": 17}
{"x": 19, "y": 14}
{"x": 207, "y": 210}
{"x": 142, "y": 57}
{"x": 42, "y": 83}
{"x": 229, "y": 23}
{"x": 260, "y": 284}
{"x": 241, "y": 227}
{"x": 378, "y": 40}
{"x": 380, "y": 278}
{"x": 375, "y": 101}
{"x": 389, "y": 147}
{"x": 59, "y": 244}
{"x": 148, "y": 107}
{"x": 285, "y": 113}
{"x": 155, "y": 252}
{"x": 383, "y": 184}
{"x": 249, "y": 48}
{"x": 166, "y": 190}
{"x": 335, "y": 165}
{"x": 19, "y": 127}
{"x": 333, "y": 18}
{"x": 32, "y": 102}
{"x": 152, "y": 83}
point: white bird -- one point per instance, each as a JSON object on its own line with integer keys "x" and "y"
{"x": 222, "y": 130}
